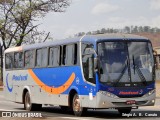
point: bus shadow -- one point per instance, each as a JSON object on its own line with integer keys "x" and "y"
{"x": 52, "y": 111}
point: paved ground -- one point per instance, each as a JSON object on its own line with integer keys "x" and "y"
{"x": 55, "y": 113}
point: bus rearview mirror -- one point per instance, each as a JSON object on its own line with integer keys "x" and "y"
{"x": 89, "y": 51}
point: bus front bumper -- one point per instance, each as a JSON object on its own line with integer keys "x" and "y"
{"x": 104, "y": 101}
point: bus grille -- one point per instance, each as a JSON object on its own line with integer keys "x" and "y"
{"x": 124, "y": 103}
{"x": 129, "y": 96}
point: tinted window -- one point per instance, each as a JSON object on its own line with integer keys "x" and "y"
{"x": 70, "y": 54}
{"x": 54, "y": 56}
{"x": 44, "y": 59}
{"x": 38, "y": 58}
{"x": 29, "y": 58}
{"x": 18, "y": 60}
{"x": 41, "y": 57}
{"x": 9, "y": 58}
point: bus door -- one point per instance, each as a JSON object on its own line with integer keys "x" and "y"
{"x": 88, "y": 69}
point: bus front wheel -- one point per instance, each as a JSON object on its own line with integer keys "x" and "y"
{"x": 28, "y": 105}
{"x": 76, "y": 106}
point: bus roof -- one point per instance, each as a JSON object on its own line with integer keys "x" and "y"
{"x": 87, "y": 38}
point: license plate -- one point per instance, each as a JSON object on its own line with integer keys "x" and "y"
{"x": 130, "y": 102}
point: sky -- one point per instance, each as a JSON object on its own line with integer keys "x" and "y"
{"x": 91, "y": 15}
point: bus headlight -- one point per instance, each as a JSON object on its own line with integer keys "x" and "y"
{"x": 149, "y": 93}
{"x": 108, "y": 94}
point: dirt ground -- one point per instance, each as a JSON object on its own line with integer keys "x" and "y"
{"x": 1, "y": 83}
{"x": 158, "y": 88}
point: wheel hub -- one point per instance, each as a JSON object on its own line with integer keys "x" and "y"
{"x": 77, "y": 104}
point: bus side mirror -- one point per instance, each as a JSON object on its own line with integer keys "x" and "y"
{"x": 89, "y": 51}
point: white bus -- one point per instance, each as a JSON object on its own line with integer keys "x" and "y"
{"x": 93, "y": 71}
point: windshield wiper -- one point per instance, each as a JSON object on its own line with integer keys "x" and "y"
{"x": 122, "y": 73}
{"x": 140, "y": 74}
{"x": 133, "y": 64}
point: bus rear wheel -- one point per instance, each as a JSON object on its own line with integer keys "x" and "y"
{"x": 28, "y": 105}
{"x": 76, "y": 106}
{"x": 124, "y": 110}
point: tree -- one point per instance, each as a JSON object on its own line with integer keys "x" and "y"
{"x": 89, "y": 33}
{"x": 135, "y": 29}
{"x": 103, "y": 30}
{"x": 127, "y": 29}
{"x": 98, "y": 32}
{"x": 140, "y": 29}
{"x": 79, "y": 34}
{"x": 17, "y": 17}
{"x": 146, "y": 28}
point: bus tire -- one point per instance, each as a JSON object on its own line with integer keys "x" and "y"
{"x": 76, "y": 106}
{"x": 124, "y": 110}
{"x": 28, "y": 105}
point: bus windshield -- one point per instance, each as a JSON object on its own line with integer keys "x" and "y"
{"x": 125, "y": 62}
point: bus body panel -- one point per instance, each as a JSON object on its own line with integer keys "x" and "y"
{"x": 49, "y": 90}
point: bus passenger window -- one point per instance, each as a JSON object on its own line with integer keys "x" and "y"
{"x": 18, "y": 60}
{"x": 41, "y": 57}
{"x": 70, "y": 54}
{"x": 44, "y": 58}
{"x": 9, "y": 58}
{"x": 29, "y": 59}
{"x": 54, "y": 56}
{"x": 38, "y": 58}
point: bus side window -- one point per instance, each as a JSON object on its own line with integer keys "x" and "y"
{"x": 29, "y": 59}
{"x": 38, "y": 58}
{"x": 71, "y": 54}
{"x": 18, "y": 60}
{"x": 87, "y": 63}
{"x": 9, "y": 58}
{"x": 54, "y": 56}
{"x": 41, "y": 57}
{"x": 44, "y": 58}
